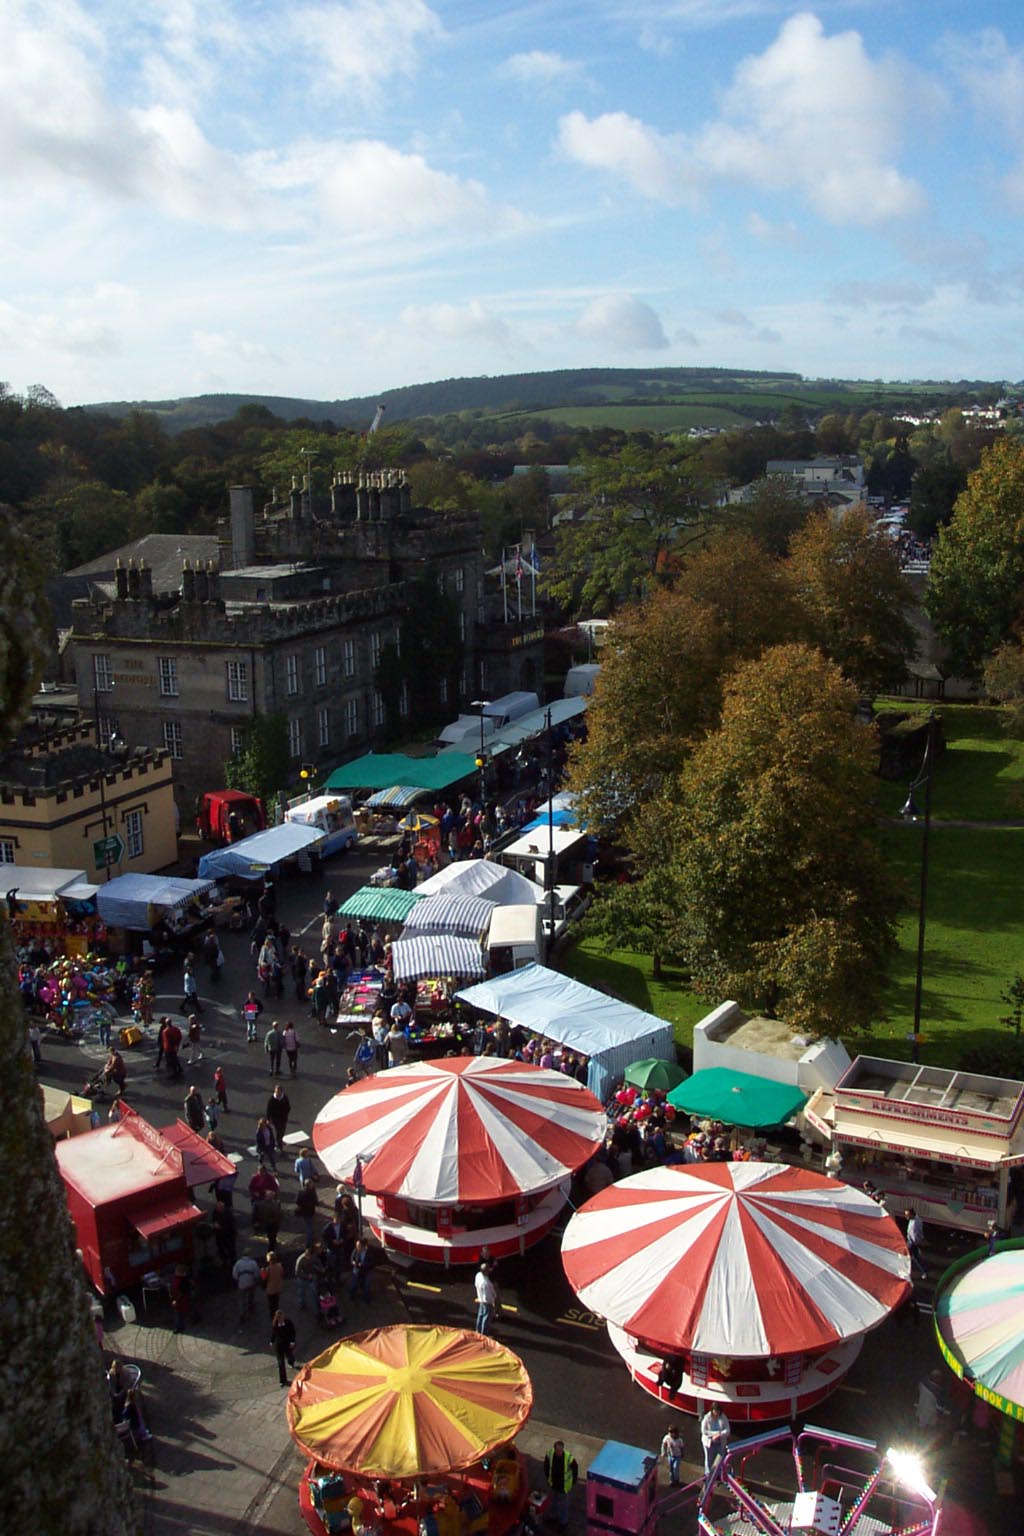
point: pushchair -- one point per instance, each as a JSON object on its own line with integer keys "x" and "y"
{"x": 327, "y": 1308}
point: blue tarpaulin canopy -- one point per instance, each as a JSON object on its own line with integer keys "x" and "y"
{"x": 135, "y": 901}
{"x": 253, "y": 856}
{"x": 610, "y": 1033}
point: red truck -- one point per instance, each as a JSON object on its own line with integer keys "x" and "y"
{"x": 228, "y": 815}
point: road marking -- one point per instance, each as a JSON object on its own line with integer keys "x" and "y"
{"x": 418, "y": 1285}
{"x": 506, "y": 1308}
{"x": 857, "y": 1391}
{"x": 573, "y": 1322}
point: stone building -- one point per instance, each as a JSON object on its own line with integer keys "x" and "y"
{"x": 306, "y": 614}
{"x": 60, "y": 797}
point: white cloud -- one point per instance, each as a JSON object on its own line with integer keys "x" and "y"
{"x": 652, "y": 163}
{"x": 456, "y": 322}
{"x": 811, "y": 114}
{"x": 623, "y": 323}
{"x": 370, "y": 188}
{"x": 991, "y": 72}
{"x": 783, "y": 232}
{"x": 226, "y": 346}
{"x": 541, "y": 70}
{"x": 84, "y": 325}
{"x": 194, "y": 39}
{"x": 355, "y": 47}
{"x": 737, "y": 320}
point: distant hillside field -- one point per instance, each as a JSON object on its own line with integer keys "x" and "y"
{"x": 638, "y": 418}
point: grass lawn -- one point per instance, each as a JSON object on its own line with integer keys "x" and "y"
{"x": 630, "y": 975}
{"x": 980, "y": 776}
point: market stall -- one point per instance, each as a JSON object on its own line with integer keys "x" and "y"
{"x": 411, "y": 1429}
{"x": 753, "y": 1282}
{"x": 254, "y": 856}
{"x": 943, "y": 1143}
{"x": 360, "y": 997}
{"x": 56, "y": 907}
{"x": 202, "y": 1163}
{"x": 609, "y": 1032}
{"x": 459, "y": 1154}
{"x": 467, "y": 916}
{"x": 65, "y": 1113}
{"x": 737, "y": 1098}
{"x": 129, "y": 1201}
{"x": 492, "y": 882}
{"x": 979, "y": 1325}
{"x": 373, "y": 904}
{"x": 437, "y": 955}
{"x": 142, "y": 903}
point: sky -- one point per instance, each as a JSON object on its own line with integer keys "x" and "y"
{"x": 326, "y": 198}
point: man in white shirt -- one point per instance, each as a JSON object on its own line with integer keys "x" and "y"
{"x": 486, "y": 1297}
{"x": 915, "y": 1240}
{"x": 246, "y": 1275}
{"x": 672, "y": 1449}
{"x": 714, "y": 1436}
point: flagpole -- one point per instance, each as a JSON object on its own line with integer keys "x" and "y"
{"x": 504, "y": 588}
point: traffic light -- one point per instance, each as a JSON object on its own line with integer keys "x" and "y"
{"x": 307, "y": 772}
{"x": 481, "y": 760}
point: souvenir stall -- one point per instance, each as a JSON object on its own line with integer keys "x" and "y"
{"x": 360, "y": 998}
{"x": 452, "y": 1156}
{"x": 168, "y": 910}
{"x": 941, "y": 1142}
{"x": 53, "y": 907}
{"x": 744, "y": 1286}
{"x": 129, "y": 1201}
{"x": 979, "y": 1324}
{"x": 411, "y": 1430}
{"x": 836, "y": 1484}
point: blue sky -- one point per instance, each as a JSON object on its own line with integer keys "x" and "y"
{"x": 330, "y": 197}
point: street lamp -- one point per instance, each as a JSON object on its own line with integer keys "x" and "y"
{"x": 551, "y": 833}
{"x": 115, "y": 743}
{"x": 910, "y": 812}
{"x": 481, "y": 762}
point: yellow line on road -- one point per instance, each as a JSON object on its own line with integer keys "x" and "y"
{"x": 506, "y": 1308}
{"x": 571, "y": 1322}
{"x": 417, "y": 1285}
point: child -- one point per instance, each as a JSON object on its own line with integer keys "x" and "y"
{"x": 212, "y": 1114}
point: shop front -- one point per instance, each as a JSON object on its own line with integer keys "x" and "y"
{"x": 942, "y": 1143}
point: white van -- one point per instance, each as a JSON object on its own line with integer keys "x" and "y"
{"x": 581, "y": 681}
{"x": 515, "y": 938}
{"x": 511, "y": 706}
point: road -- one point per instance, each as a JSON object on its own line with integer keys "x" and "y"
{"x": 579, "y": 1381}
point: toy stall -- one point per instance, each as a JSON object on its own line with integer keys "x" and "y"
{"x": 943, "y": 1143}
{"x": 451, "y": 1156}
{"x": 410, "y": 1430}
{"x": 744, "y": 1286}
{"x": 129, "y": 1200}
{"x": 56, "y": 907}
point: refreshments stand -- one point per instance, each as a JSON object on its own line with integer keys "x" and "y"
{"x": 940, "y": 1142}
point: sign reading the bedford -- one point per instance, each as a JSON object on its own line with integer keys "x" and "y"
{"x": 108, "y": 850}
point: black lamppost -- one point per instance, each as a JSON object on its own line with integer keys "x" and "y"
{"x": 481, "y": 761}
{"x": 115, "y": 742}
{"x": 910, "y": 812}
{"x": 551, "y": 832}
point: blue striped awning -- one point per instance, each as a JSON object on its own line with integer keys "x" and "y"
{"x": 395, "y": 798}
{"x": 436, "y": 954}
{"x": 466, "y": 915}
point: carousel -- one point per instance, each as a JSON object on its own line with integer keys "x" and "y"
{"x": 743, "y": 1286}
{"x": 410, "y": 1429}
{"x": 462, "y": 1154}
{"x": 979, "y": 1325}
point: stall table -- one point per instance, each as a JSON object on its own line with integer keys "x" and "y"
{"x": 359, "y": 1000}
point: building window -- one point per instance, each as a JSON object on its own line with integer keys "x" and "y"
{"x": 8, "y": 850}
{"x": 375, "y": 649}
{"x": 291, "y": 675}
{"x": 460, "y": 579}
{"x": 323, "y": 727}
{"x": 378, "y": 707}
{"x": 444, "y": 690}
{"x": 167, "y": 667}
{"x": 484, "y": 682}
{"x": 133, "y": 840}
{"x": 103, "y": 674}
{"x": 320, "y": 666}
{"x": 462, "y": 626}
{"x": 403, "y": 699}
{"x": 172, "y": 738}
{"x": 294, "y": 736}
{"x": 351, "y": 717}
{"x": 108, "y": 729}
{"x": 348, "y": 657}
{"x": 398, "y": 642}
{"x": 237, "y": 740}
{"x": 238, "y": 682}
{"x": 462, "y": 684}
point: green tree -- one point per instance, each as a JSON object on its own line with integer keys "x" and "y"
{"x": 63, "y": 1469}
{"x": 933, "y": 493}
{"x": 772, "y": 869}
{"x": 774, "y": 511}
{"x": 263, "y": 766}
{"x": 636, "y": 505}
{"x": 89, "y": 520}
{"x": 847, "y": 579}
{"x": 976, "y": 583}
{"x": 1004, "y": 680}
{"x": 1013, "y": 997}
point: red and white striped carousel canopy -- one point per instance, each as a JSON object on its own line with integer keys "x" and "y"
{"x": 736, "y": 1259}
{"x": 464, "y": 1130}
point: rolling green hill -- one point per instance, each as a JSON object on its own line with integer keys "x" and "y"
{"x": 658, "y": 398}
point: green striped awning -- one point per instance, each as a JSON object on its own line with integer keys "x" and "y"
{"x": 380, "y": 904}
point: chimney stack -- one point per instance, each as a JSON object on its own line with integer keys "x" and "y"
{"x": 133, "y": 580}
{"x": 243, "y": 526}
{"x": 145, "y": 580}
{"x": 213, "y": 580}
{"x": 121, "y": 578}
{"x": 295, "y": 501}
{"x": 188, "y": 583}
{"x": 202, "y": 583}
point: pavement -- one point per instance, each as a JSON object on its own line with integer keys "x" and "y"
{"x": 222, "y": 1457}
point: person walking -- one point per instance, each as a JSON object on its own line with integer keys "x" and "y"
{"x": 171, "y": 1041}
{"x": 359, "y": 1285}
{"x": 225, "y": 1234}
{"x": 220, "y": 1088}
{"x": 181, "y": 1297}
{"x": 272, "y": 1275}
{"x": 332, "y": 1244}
{"x": 161, "y": 1049}
{"x": 309, "y": 1273}
{"x": 246, "y": 1274}
{"x": 190, "y": 991}
{"x": 915, "y": 1242}
{"x": 486, "y": 1296}
{"x": 279, "y": 1107}
{"x": 195, "y": 1109}
{"x": 273, "y": 1044}
{"x": 715, "y": 1430}
{"x": 251, "y": 1010}
{"x": 290, "y": 1041}
{"x": 672, "y": 1450}
{"x": 282, "y": 1342}
{"x": 266, "y": 1141}
{"x": 195, "y": 1040}
{"x": 304, "y": 1168}
{"x": 560, "y": 1474}
{"x": 266, "y": 1215}
{"x": 262, "y": 1183}
{"x": 306, "y": 1207}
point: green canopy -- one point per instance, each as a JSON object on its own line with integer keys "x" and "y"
{"x": 379, "y": 904}
{"x": 381, "y": 770}
{"x": 653, "y": 1073}
{"x": 737, "y": 1098}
